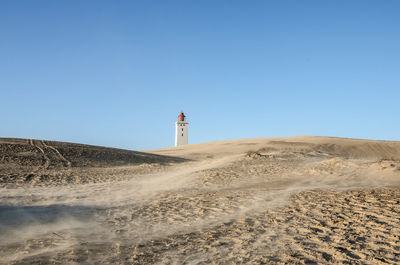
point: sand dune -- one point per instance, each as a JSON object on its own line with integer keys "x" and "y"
{"x": 293, "y": 200}
{"x": 49, "y": 162}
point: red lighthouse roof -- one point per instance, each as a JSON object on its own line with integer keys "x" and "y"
{"x": 181, "y": 117}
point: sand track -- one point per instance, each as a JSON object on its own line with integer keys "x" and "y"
{"x": 67, "y": 162}
{"x": 46, "y": 160}
{"x": 257, "y": 201}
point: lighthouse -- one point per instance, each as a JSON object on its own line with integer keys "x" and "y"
{"x": 181, "y": 130}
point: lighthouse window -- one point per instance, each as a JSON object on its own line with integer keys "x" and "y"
{"x": 182, "y": 134}
{"x": 182, "y": 129}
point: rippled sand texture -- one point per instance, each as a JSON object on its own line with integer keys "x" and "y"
{"x": 297, "y": 200}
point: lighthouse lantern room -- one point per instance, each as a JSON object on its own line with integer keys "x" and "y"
{"x": 181, "y": 130}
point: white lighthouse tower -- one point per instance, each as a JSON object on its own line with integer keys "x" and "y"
{"x": 181, "y": 130}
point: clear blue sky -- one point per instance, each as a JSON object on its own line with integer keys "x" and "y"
{"x": 117, "y": 73}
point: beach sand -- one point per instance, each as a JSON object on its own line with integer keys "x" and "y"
{"x": 288, "y": 200}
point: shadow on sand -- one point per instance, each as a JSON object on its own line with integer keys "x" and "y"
{"x": 14, "y": 217}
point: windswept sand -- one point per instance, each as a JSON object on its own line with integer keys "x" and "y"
{"x": 294, "y": 200}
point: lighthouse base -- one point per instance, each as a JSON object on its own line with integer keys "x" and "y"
{"x": 181, "y": 133}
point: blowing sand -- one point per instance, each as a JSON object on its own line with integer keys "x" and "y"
{"x": 295, "y": 200}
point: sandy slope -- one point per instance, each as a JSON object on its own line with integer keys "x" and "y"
{"x": 295, "y": 200}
